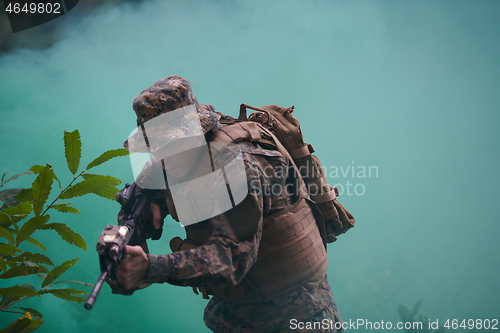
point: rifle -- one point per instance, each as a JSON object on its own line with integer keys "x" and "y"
{"x": 133, "y": 229}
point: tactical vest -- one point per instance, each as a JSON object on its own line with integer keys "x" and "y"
{"x": 291, "y": 252}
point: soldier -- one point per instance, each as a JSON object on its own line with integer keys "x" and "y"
{"x": 262, "y": 260}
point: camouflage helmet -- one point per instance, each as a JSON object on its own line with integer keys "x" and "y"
{"x": 165, "y": 95}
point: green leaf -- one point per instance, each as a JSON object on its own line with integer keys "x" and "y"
{"x": 65, "y": 208}
{"x": 41, "y": 189}
{"x": 73, "y": 281}
{"x": 7, "y": 234}
{"x": 108, "y": 192}
{"x": 66, "y": 294}
{"x": 33, "y": 257}
{"x": 14, "y": 177}
{"x": 35, "y": 324}
{"x": 24, "y": 325}
{"x": 29, "y": 227}
{"x": 18, "y": 291}
{"x": 36, "y": 243}
{"x": 57, "y": 271}
{"x": 67, "y": 234}
{"x": 18, "y": 326}
{"x": 6, "y": 300}
{"x": 9, "y": 196}
{"x": 91, "y": 175}
{"x": 90, "y": 185}
{"x": 14, "y": 214}
{"x": 31, "y": 240}
{"x": 38, "y": 168}
{"x": 9, "y": 250}
{"x": 107, "y": 156}
{"x": 23, "y": 269}
{"x": 72, "y": 150}
{"x": 34, "y": 312}
{"x": 24, "y": 195}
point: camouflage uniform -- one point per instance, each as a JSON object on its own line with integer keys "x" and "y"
{"x": 226, "y": 248}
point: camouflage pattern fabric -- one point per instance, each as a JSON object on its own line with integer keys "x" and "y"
{"x": 165, "y": 95}
{"x": 275, "y": 315}
{"x": 171, "y": 93}
{"x": 226, "y": 251}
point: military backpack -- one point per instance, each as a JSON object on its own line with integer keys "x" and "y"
{"x": 275, "y": 125}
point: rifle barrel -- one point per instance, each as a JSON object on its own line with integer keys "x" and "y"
{"x": 93, "y": 295}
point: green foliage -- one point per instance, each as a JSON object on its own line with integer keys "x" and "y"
{"x": 90, "y": 185}
{"x": 72, "y": 150}
{"x": 9, "y": 249}
{"x": 4, "y": 233}
{"x": 12, "y": 215}
{"x": 18, "y": 291}
{"x": 66, "y": 234}
{"x": 23, "y": 212}
{"x": 36, "y": 222}
{"x": 23, "y": 269}
{"x": 66, "y": 294}
{"x": 24, "y": 324}
{"x": 65, "y": 208}
{"x": 57, "y": 271}
{"x": 41, "y": 188}
{"x": 410, "y": 316}
{"x": 36, "y": 243}
{"x": 107, "y": 156}
{"x": 33, "y": 257}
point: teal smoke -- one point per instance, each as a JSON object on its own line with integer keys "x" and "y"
{"x": 408, "y": 88}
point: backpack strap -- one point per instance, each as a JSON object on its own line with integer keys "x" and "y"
{"x": 242, "y": 131}
{"x": 318, "y": 185}
{"x": 278, "y": 144}
{"x": 302, "y": 152}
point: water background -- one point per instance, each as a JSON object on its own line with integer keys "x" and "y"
{"x": 407, "y": 88}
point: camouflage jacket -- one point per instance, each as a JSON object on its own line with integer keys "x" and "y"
{"x": 227, "y": 247}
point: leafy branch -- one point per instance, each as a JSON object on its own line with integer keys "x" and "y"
{"x": 25, "y": 211}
